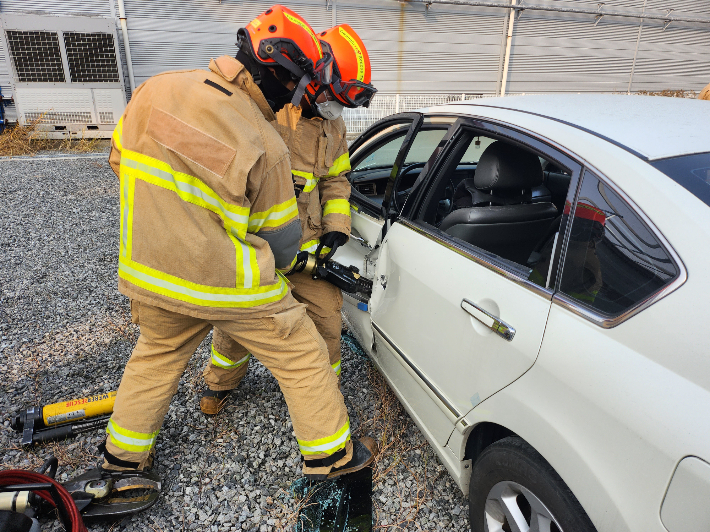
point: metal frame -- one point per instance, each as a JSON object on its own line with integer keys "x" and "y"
{"x": 598, "y": 13}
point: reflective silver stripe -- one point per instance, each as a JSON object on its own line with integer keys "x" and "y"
{"x": 197, "y": 294}
{"x": 185, "y": 187}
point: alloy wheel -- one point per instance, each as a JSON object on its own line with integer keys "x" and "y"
{"x": 511, "y": 507}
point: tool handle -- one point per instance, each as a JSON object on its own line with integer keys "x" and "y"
{"x": 69, "y": 431}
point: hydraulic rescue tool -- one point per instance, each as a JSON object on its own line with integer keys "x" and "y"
{"x": 65, "y": 419}
{"x": 97, "y": 494}
{"x": 347, "y": 278}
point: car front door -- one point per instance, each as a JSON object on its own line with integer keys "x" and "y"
{"x": 455, "y": 322}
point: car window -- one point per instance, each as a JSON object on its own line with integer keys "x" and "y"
{"x": 613, "y": 261}
{"x": 423, "y": 146}
{"x": 516, "y": 222}
{"x": 692, "y": 172}
{"x": 382, "y": 157}
{"x": 476, "y": 148}
{"x": 374, "y": 160}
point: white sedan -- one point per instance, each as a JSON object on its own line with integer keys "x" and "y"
{"x": 540, "y": 302}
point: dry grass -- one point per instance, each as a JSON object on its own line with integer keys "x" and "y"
{"x": 670, "y": 93}
{"x": 28, "y": 140}
{"x": 390, "y": 424}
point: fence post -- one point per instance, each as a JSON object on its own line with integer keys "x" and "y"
{"x": 396, "y": 104}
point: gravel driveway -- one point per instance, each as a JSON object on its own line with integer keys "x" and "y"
{"x": 65, "y": 332}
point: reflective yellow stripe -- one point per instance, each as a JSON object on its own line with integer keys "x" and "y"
{"x": 336, "y": 368}
{"x": 207, "y": 296}
{"x": 312, "y": 245}
{"x": 341, "y": 164}
{"x": 235, "y": 220}
{"x": 128, "y": 440}
{"x": 311, "y": 180}
{"x": 187, "y": 187}
{"x": 222, "y": 361}
{"x": 118, "y": 134}
{"x": 336, "y": 206}
{"x": 328, "y": 445}
{"x": 277, "y": 215}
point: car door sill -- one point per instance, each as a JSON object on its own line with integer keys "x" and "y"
{"x": 433, "y": 392}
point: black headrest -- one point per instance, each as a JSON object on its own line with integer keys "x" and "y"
{"x": 504, "y": 167}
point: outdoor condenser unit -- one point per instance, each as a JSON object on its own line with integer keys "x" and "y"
{"x": 65, "y": 73}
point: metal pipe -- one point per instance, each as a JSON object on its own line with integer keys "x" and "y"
{"x": 667, "y": 18}
{"x": 636, "y": 51}
{"x": 126, "y": 46}
{"x": 508, "y": 44}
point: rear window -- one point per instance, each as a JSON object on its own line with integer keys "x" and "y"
{"x": 692, "y": 172}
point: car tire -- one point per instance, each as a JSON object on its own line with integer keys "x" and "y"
{"x": 513, "y": 486}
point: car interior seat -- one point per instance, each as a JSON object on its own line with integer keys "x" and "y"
{"x": 503, "y": 218}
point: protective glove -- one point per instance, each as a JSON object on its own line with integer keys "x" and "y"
{"x": 333, "y": 240}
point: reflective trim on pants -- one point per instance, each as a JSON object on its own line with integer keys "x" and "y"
{"x": 328, "y": 445}
{"x": 128, "y": 440}
{"x": 223, "y": 362}
{"x": 336, "y": 368}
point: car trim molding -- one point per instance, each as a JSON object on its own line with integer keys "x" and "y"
{"x": 477, "y": 258}
{"x": 440, "y": 396}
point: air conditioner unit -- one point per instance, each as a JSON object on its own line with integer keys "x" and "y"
{"x": 66, "y": 74}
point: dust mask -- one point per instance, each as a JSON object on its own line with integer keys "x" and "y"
{"x": 330, "y": 110}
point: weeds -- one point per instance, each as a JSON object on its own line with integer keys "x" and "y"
{"x": 670, "y": 93}
{"x": 28, "y": 140}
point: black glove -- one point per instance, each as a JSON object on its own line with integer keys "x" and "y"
{"x": 333, "y": 240}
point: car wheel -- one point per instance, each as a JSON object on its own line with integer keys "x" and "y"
{"x": 514, "y": 489}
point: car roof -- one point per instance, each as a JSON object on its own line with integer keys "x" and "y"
{"x": 650, "y": 127}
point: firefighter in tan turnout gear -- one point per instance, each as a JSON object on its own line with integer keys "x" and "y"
{"x": 315, "y": 136}
{"x": 208, "y": 213}
{"x": 705, "y": 93}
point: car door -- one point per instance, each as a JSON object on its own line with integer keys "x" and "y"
{"x": 454, "y": 322}
{"x": 378, "y": 158}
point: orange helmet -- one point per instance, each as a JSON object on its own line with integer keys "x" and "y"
{"x": 351, "y": 66}
{"x": 280, "y": 37}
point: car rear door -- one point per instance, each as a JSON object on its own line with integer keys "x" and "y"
{"x": 453, "y": 322}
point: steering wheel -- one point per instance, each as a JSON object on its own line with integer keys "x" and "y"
{"x": 410, "y": 167}
{"x": 404, "y": 171}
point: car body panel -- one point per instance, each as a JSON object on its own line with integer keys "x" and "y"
{"x": 425, "y": 286}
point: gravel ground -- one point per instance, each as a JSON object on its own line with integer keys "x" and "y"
{"x": 65, "y": 332}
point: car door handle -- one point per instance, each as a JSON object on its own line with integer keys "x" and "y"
{"x": 495, "y": 324}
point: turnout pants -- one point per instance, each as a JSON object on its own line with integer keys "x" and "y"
{"x": 230, "y": 359}
{"x": 287, "y": 343}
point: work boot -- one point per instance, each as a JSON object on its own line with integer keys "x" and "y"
{"x": 212, "y": 402}
{"x": 364, "y": 452}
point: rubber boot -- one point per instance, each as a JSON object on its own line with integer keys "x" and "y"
{"x": 364, "y": 452}
{"x": 212, "y": 402}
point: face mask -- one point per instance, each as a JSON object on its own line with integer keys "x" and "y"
{"x": 330, "y": 110}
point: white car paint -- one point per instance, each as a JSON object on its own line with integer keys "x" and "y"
{"x": 613, "y": 410}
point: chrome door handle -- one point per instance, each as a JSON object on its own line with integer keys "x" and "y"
{"x": 496, "y": 325}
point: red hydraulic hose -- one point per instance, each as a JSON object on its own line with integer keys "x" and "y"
{"x": 75, "y": 522}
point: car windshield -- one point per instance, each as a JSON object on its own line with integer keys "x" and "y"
{"x": 692, "y": 172}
